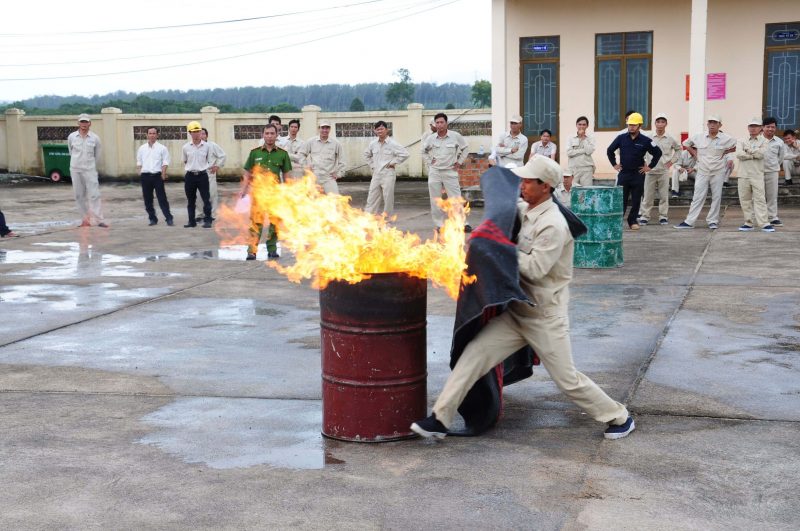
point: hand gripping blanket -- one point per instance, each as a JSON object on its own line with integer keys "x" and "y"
{"x": 492, "y": 257}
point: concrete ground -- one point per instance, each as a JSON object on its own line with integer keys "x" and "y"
{"x": 151, "y": 379}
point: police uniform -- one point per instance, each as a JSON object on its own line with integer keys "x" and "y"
{"x": 380, "y": 156}
{"x": 440, "y": 154}
{"x": 278, "y": 162}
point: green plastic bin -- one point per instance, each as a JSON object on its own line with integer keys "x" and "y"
{"x": 56, "y": 161}
{"x": 600, "y": 208}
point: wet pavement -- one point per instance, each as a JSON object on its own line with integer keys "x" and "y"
{"x": 152, "y": 378}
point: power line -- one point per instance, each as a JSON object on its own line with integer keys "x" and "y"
{"x": 197, "y": 24}
{"x": 239, "y": 56}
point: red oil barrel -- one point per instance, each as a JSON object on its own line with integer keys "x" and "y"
{"x": 374, "y": 366}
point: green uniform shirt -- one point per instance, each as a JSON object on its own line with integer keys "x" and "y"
{"x": 276, "y": 161}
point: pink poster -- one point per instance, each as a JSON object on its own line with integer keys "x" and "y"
{"x": 715, "y": 86}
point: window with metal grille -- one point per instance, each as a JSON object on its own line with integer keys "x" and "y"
{"x": 539, "y": 61}
{"x": 623, "y": 78}
{"x": 782, "y": 74}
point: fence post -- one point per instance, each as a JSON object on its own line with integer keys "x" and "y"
{"x": 110, "y": 142}
{"x": 14, "y": 139}
{"x": 416, "y": 128}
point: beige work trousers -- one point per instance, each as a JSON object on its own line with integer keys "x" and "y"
{"x": 328, "y": 184}
{"x": 753, "y": 201}
{"x": 655, "y": 183}
{"x": 702, "y": 182}
{"x": 436, "y": 180}
{"x": 790, "y": 170}
{"x": 381, "y": 187}
{"x": 212, "y": 192}
{"x": 86, "y": 186}
{"x": 548, "y": 335}
{"x": 583, "y": 176}
{"x": 771, "y": 193}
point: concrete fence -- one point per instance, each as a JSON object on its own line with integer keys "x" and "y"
{"x": 21, "y": 136}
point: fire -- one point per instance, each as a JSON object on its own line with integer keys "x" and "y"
{"x": 332, "y": 240}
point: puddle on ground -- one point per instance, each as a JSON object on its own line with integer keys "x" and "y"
{"x": 101, "y": 296}
{"x": 226, "y": 433}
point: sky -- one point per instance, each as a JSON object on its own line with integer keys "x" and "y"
{"x": 101, "y": 46}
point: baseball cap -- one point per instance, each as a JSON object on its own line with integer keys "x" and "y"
{"x": 194, "y": 126}
{"x": 543, "y": 168}
{"x": 515, "y": 119}
{"x": 713, "y": 118}
{"x": 567, "y": 173}
{"x": 660, "y": 115}
{"x": 84, "y": 118}
{"x": 755, "y": 121}
{"x": 324, "y": 123}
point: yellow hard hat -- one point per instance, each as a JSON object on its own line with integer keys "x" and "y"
{"x": 194, "y": 126}
{"x": 635, "y": 119}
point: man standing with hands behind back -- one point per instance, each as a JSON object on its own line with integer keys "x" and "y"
{"x": 152, "y": 160}
{"x": 443, "y": 152}
{"x": 383, "y": 155}
{"x": 84, "y": 152}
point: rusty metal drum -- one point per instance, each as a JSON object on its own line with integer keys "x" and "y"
{"x": 374, "y": 366}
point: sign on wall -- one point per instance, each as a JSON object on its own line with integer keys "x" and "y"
{"x": 715, "y": 86}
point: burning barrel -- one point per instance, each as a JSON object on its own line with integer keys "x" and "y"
{"x": 374, "y": 367}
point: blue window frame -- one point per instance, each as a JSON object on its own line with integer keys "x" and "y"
{"x": 623, "y": 77}
{"x": 782, "y": 74}
{"x": 539, "y": 64}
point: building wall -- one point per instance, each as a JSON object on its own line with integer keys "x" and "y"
{"x": 116, "y": 131}
{"x": 735, "y": 46}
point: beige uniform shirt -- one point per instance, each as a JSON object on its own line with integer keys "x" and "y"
{"x": 670, "y": 151}
{"x": 84, "y": 152}
{"x": 293, "y": 147}
{"x": 505, "y": 143}
{"x": 325, "y": 159}
{"x": 710, "y": 151}
{"x": 538, "y": 148}
{"x": 544, "y": 251}
{"x": 381, "y": 154}
{"x": 774, "y": 155}
{"x": 442, "y": 153}
{"x": 579, "y": 152}
{"x": 750, "y": 153}
{"x": 216, "y": 155}
{"x": 792, "y": 152}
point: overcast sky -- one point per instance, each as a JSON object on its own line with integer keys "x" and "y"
{"x": 302, "y": 42}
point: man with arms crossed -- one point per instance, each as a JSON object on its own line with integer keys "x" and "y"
{"x": 579, "y": 154}
{"x": 544, "y": 252}
{"x": 709, "y": 149}
{"x": 511, "y": 146}
{"x": 750, "y": 153}
{"x": 152, "y": 160}
{"x": 383, "y": 156}
{"x": 84, "y": 152}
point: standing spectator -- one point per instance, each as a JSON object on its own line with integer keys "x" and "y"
{"x": 791, "y": 157}
{"x": 772, "y": 165}
{"x": 709, "y": 149}
{"x": 579, "y": 153}
{"x": 751, "y": 153}
{"x": 632, "y": 168}
{"x": 511, "y": 147}
{"x": 197, "y": 162}
{"x": 5, "y": 232}
{"x": 281, "y": 140}
{"x": 293, "y": 144}
{"x": 324, "y": 156}
{"x": 217, "y": 161}
{"x": 658, "y": 178}
{"x": 443, "y": 153}
{"x": 84, "y": 152}
{"x": 544, "y": 146}
{"x": 276, "y": 160}
{"x": 383, "y": 155}
{"x": 682, "y": 171}
{"x": 152, "y": 160}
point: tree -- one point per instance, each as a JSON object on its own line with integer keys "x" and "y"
{"x": 482, "y": 93}
{"x": 449, "y": 106}
{"x": 402, "y": 92}
{"x": 356, "y": 105}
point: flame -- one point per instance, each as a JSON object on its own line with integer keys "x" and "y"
{"x": 332, "y": 240}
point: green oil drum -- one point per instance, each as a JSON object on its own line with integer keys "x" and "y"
{"x": 600, "y": 208}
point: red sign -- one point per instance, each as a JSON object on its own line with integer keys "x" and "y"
{"x": 715, "y": 86}
{"x": 688, "y": 77}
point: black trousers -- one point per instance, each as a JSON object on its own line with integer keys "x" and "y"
{"x": 632, "y": 183}
{"x": 194, "y": 182}
{"x": 152, "y": 182}
{"x": 3, "y": 228}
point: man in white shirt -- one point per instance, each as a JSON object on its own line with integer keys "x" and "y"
{"x": 710, "y": 150}
{"x": 511, "y": 146}
{"x": 84, "y": 152}
{"x": 383, "y": 155}
{"x": 197, "y": 163}
{"x": 579, "y": 153}
{"x": 791, "y": 157}
{"x": 772, "y": 165}
{"x": 217, "y": 161}
{"x": 152, "y": 160}
{"x": 324, "y": 156}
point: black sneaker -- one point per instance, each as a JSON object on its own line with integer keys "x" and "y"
{"x": 273, "y": 256}
{"x": 776, "y": 223}
{"x": 683, "y": 225}
{"x": 746, "y": 228}
{"x": 206, "y": 224}
{"x": 619, "y": 431}
{"x": 787, "y": 182}
{"x": 153, "y": 222}
{"x": 250, "y": 256}
{"x": 643, "y": 221}
{"x": 663, "y": 221}
{"x": 676, "y": 194}
{"x": 430, "y": 428}
{"x": 170, "y": 222}
{"x": 467, "y": 228}
{"x": 189, "y": 225}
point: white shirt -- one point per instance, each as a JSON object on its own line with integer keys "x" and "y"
{"x": 152, "y": 158}
{"x": 196, "y": 157}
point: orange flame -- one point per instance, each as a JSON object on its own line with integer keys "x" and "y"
{"x": 332, "y": 240}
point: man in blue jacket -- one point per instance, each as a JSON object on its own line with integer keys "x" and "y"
{"x": 632, "y": 147}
